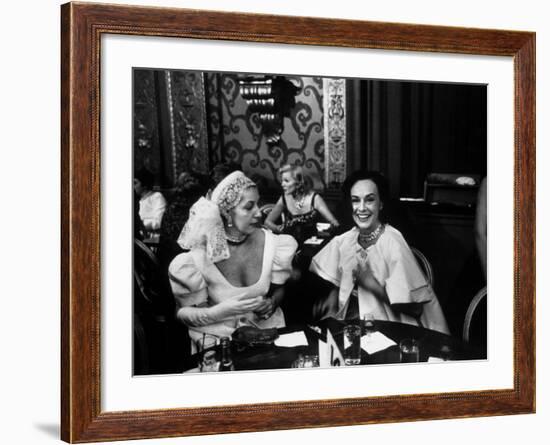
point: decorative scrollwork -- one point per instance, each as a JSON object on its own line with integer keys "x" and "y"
{"x": 229, "y": 85}
{"x": 335, "y": 131}
{"x": 189, "y": 117}
{"x": 316, "y": 92}
{"x": 301, "y": 139}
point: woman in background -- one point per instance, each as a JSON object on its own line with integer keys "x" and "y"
{"x": 373, "y": 263}
{"x": 151, "y": 204}
{"x": 234, "y": 271}
{"x": 299, "y": 206}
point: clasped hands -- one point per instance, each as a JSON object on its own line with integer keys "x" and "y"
{"x": 364, "y": 276}
{"x": 262, "y": 306}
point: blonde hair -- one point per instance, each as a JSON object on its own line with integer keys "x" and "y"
{"x": 303, "y": 184}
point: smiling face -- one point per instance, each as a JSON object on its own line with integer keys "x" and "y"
{"x": 246, "y": 216}
{"x": 366, "y": 205}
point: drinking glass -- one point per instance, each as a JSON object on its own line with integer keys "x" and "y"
{"x": 368, "y": 322}
{"x": 208, "y": 355}
{"x": 352, "y": 344}
{"x": 446, "y": 353}
{"x": 299, "y": 362}
{"x": 311, "y": 361}
{"x": 409, "y": 350}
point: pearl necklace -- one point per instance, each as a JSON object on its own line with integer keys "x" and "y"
{"x": 369, "y": 238}
{"x": 237, "y": 239}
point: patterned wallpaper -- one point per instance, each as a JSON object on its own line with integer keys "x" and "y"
{"x": 235, "y": 134}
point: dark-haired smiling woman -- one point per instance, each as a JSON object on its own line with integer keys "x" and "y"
{"x": 374, "y": 262}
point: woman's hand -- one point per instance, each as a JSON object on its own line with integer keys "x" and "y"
{"x": 364, "y": 277}
{"x": 239, "y": 304}
{"x": 266, "y": 308}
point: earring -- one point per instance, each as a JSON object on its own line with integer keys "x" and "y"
{"x": 229, "y": 223}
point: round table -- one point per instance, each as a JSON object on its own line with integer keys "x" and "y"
{"x": 432, "y": 344}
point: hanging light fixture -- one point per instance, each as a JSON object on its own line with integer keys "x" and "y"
{"x": 272, "y": 98}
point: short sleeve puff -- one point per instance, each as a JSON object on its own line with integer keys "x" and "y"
{"x": 405, "y": 282}
{"x": 326, "y": 263}
{"x": 285, "y": 248}
{"x": 186, "y": 280}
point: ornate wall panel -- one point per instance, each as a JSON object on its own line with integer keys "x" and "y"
{"x": 188, "y": 121}
{"x": 146, "y": 134}
{"x": 335, "y": 131}
{"x": 236, "y": 134}
{"x": 214, "y": 116}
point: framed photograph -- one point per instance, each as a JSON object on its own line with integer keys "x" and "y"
{"x": 263, "y": 194}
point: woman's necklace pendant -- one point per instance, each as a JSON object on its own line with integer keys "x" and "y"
{"x": 300, "y": 203}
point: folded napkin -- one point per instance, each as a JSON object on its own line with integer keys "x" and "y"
{"x": 435, "y": 360}
{"x": 313, "y": 240}
{"x": 375, "y": 341}
{"x": 292, "y": 339}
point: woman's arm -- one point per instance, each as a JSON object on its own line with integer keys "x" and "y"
{"x": 326, "y": 306}
{"x": 323, "y": 209}
{"x": 198, "y": 315}
{"x": 274, "y": 215}
{"x": 271, "y": 301}
{"x": 365, "y": 277}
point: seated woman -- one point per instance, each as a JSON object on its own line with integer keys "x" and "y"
{"x": 374, "y": 262}
{"x": 151, "y": 204}
{"x": 299, "y": 205}
{"x": 234, "y": 271}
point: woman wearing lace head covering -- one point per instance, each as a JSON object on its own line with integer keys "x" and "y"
{"x": 234, "y": 270}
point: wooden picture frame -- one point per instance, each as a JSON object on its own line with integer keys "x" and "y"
{"x": 82, "y": 26}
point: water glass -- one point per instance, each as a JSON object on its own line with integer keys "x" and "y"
{"x": 311, "y": 361}
{"x": 368, "y": 322}
{"x": 352, "y": 344}
{"x": 208, "y": 355}
{"x": 446, "y": 353}
{"x": 306, "y": 361}
{"x": 409, "y": 350}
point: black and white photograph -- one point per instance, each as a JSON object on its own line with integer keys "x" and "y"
{"x": 298, "y": 221}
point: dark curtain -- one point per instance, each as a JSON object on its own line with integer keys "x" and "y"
{"x": 409, "y": 129}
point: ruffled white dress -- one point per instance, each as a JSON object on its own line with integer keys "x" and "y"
{"x": 198, "y": 283}
{"x": 393, "y": 265}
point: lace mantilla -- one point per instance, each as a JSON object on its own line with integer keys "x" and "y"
{"x": 230, "y": 190}
{"x": 205, "y": 228}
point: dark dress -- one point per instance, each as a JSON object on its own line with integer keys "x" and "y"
{"x": 302, "y": 226}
